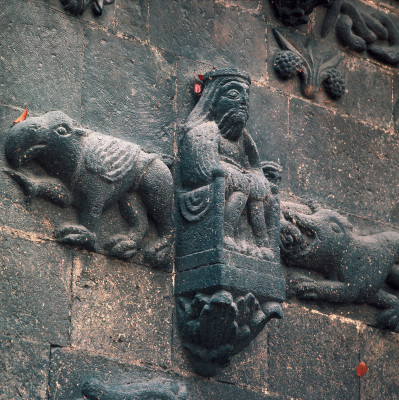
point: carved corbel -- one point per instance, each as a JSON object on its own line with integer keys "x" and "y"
{"x": 229, "y": 282}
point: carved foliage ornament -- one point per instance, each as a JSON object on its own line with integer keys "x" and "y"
{"x": 230, "y": 280}
{"x": 92, "y": 171}
{"x": 325, "y": 242}
{"x": 77, "y": 7}
{"x": 313, "y": 67}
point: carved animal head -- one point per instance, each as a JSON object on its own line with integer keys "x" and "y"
{"x": 54, "y": 140}
{"x": 314, "y": 240}
{"x": 295, "y": 12}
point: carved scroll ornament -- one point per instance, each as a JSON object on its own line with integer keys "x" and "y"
{"x": 92, "y": 171}
{"x": 229, "y": 285}
{"x": 324, "y": 241}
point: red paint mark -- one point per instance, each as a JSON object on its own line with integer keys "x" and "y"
{"x": 197, "y": 88}
{"x": 201, "y": 77}
{"x": 361, "y": 369}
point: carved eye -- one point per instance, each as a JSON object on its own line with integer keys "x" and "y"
{"x": 233, "y": 94}
{"x": 335, "y": 227}
{"x": 61, "y": 130}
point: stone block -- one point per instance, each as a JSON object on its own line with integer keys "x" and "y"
{"x": 132, "y": 18}
{"x": 223, "y": 35}
{"x": 43, "y": 61}
{"x": 268, "y": 124}
{"x": 71, "y": 368}
{"x": 313, "y": 356}
{"x": 341, "y": 162}
{"x": 369, "y": 93}
{"x": 23, "y": 369}
{"x": 35, "y": 288}
{"x": 129, "y": 90}
{"x": 380, "y": 352}
{"x": 121, "y": 309}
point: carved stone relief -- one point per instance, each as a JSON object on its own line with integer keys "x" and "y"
{"x": 313, "y": 67}
{"x": 77, "y": 7}
{"x": 157, "y": 389}
{"x": 353, "y": 268}
{"x": 223, "y": 269}
{"x": 92, "y": 171}
{"x": 295, "y": 12}
{"x": 358, "y": 31}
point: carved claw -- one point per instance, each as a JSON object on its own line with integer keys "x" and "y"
{"x": 122, "y": 247}
{"x": 76, "y": 235}
{"x": 389, "y": 319}
{"x": 159, "y": 255}
{"x": 306, "y": 290}
{"x": 28, "y": 184}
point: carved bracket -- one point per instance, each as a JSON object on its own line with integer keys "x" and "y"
{"x": 325, "y": 242}
{"x": 77, "y": 7}
{"x": 215, "y": 327}
{"x": 313, "y": 67}
{"x": 230, "y": 280}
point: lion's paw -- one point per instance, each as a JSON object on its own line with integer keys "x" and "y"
{"x": 76, "y": 235}
{"x": 121, "y": 246}
{"x": 306, "y": 290}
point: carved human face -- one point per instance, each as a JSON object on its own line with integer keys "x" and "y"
{"x": 231, "y": 108}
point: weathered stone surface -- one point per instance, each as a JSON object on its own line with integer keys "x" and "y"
{"x": 70, "y": 368}
{"x": 268, "y": 124}
{"x": 224, "y": 35}
{"x": 23, "y": 369}
{"x": 121, "y": 309}
{"x": 342, "y": 163}
{"x": 31, "y": 69}
{"x": 35, "y": 288}
{"x": 129, "y": 90}
{"x": 380, "y": 352}
{"x": 132, "y": 18}
{"x": 313, "y": 356}
{"x": 369, "y": 93}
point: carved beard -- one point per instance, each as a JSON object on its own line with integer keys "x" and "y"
{"x": 233, "y": 122}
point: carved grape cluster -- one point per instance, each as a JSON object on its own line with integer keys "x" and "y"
{"x": 287, "y": 64}
{"x": 334, "y": 84}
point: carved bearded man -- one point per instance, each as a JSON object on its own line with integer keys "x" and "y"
{"x": 216, "y": 144}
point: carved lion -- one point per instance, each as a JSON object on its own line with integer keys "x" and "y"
{"x": 358, "y": 266}
{"x": 92, "y": 171}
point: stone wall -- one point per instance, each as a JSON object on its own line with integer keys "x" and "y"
{"x": 68, "y": 315}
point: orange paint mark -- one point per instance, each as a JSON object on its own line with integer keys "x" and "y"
{"x": 23, "y": 116}
{"x": 361, "y": 369}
